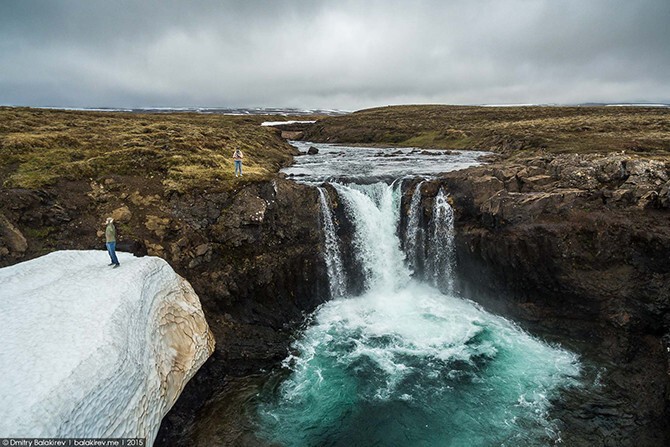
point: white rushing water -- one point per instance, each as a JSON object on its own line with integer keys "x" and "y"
{"x": 375, "y": 211}
{"x": 364, "y": 165}
{"x": 441, "y": 244}
{"x": 407, "y": 362}
{"x": 332, "y": 256}
{"x": 413, "y": 232}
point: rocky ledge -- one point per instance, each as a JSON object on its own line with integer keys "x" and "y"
{"x": 576, "y": 248}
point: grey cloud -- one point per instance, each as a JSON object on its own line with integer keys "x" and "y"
{"x": 346, "y": 54}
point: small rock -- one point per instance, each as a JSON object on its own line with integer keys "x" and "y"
{"x": 12, "y": 237}
{"x": 122, "y": 214}
{"x": 158, "y": 225}
{"x": 201, "y": 249}
{"x": 664, "y": 195}
{"x": 649, "y": 200}
{"x": 312, "y": 151}
{"x": 154, "y": 249}
{"x": 291, "y": 135}
{"x": 139, "y": 200}
{"x": 537, "y": 182}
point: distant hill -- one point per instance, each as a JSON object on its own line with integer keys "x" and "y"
{"x": 505, "y": 129}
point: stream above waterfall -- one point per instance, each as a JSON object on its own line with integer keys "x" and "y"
{"x": 406, "y": 362}
{"x": 364, "y": 165}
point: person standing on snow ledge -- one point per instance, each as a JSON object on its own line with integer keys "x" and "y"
{"x": 110, "y": 237}
{"x": 237, "y": 157}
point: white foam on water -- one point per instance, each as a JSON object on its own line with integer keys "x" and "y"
{"x": 408, "y": 361}
{"x": 418, "y": 345}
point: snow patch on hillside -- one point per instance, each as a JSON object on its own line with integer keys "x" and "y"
{"x": 91, "y": 351}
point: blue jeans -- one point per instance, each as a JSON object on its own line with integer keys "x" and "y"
{"x": 238, "y": 167}
{"x": 111, "y": 249}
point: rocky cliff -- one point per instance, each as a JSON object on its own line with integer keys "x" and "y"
{"x": 575, "y": 248}
{"x": 262, "y": 275}
{"x": 251, "y": 254}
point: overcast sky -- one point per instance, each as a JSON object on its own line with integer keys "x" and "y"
{"x": 332, "y": 54}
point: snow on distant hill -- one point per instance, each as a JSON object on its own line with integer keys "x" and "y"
{"x": 92, "y": 351}
{"x": 284, "y": 123}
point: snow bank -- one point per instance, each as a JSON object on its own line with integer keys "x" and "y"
{"x": 91, "y": 351}
{"x": 284, "y": 123}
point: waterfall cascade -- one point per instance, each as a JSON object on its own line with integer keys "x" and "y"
{"x": 413, "y": 232}
{"x": 441, "y": 244}
{"x": 375, "y": 212}
{"x": 336, "y": 276}
{"x": 405, "y": 363}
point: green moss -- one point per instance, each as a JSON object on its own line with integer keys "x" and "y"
{"x": 38, "y": 233}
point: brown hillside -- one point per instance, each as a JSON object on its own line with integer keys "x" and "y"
{"x": 503, "y": 129}
{"x": 183, "y": 151}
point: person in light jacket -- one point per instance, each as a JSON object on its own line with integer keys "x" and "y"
{"x": 237, "y": 157}
{"x": 110, "y": 238}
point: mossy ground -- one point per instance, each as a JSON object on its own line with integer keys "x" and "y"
{"x": 40, "y": 147}
{"x": 512, "y": 130}
{"x": 185, "y": 150}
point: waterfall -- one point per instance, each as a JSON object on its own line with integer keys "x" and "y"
{"x": 406, "y": 363}
{"x": 405, "y": 360}
{"x": 375, "y": 211}
{"x": 336, "y": 277}
{"x": 440, "y": 248}
{"x": 413, "y": 232}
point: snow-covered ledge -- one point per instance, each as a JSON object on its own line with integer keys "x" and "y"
{"x": 91, "y": 351}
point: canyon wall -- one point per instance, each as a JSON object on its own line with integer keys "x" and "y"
{"x": 575, "y": 248}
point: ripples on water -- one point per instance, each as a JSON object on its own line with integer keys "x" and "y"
{"x": 369, "y": 165}
{"x": 415, "y": 367}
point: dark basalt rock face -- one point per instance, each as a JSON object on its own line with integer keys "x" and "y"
{"x": 261, "y": 276}
{"x": 577, "y": 249}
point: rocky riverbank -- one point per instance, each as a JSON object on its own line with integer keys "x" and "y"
{"x": 575, "y": 248}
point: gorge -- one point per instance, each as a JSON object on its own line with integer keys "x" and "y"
{"x": 358, "y": 363}
{"x": 572, "y": 247}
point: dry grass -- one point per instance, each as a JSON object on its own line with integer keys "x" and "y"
{"x": 40, "y": 147}
{"x": 184, "y": 151}
{"x": 504, "y": 129}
